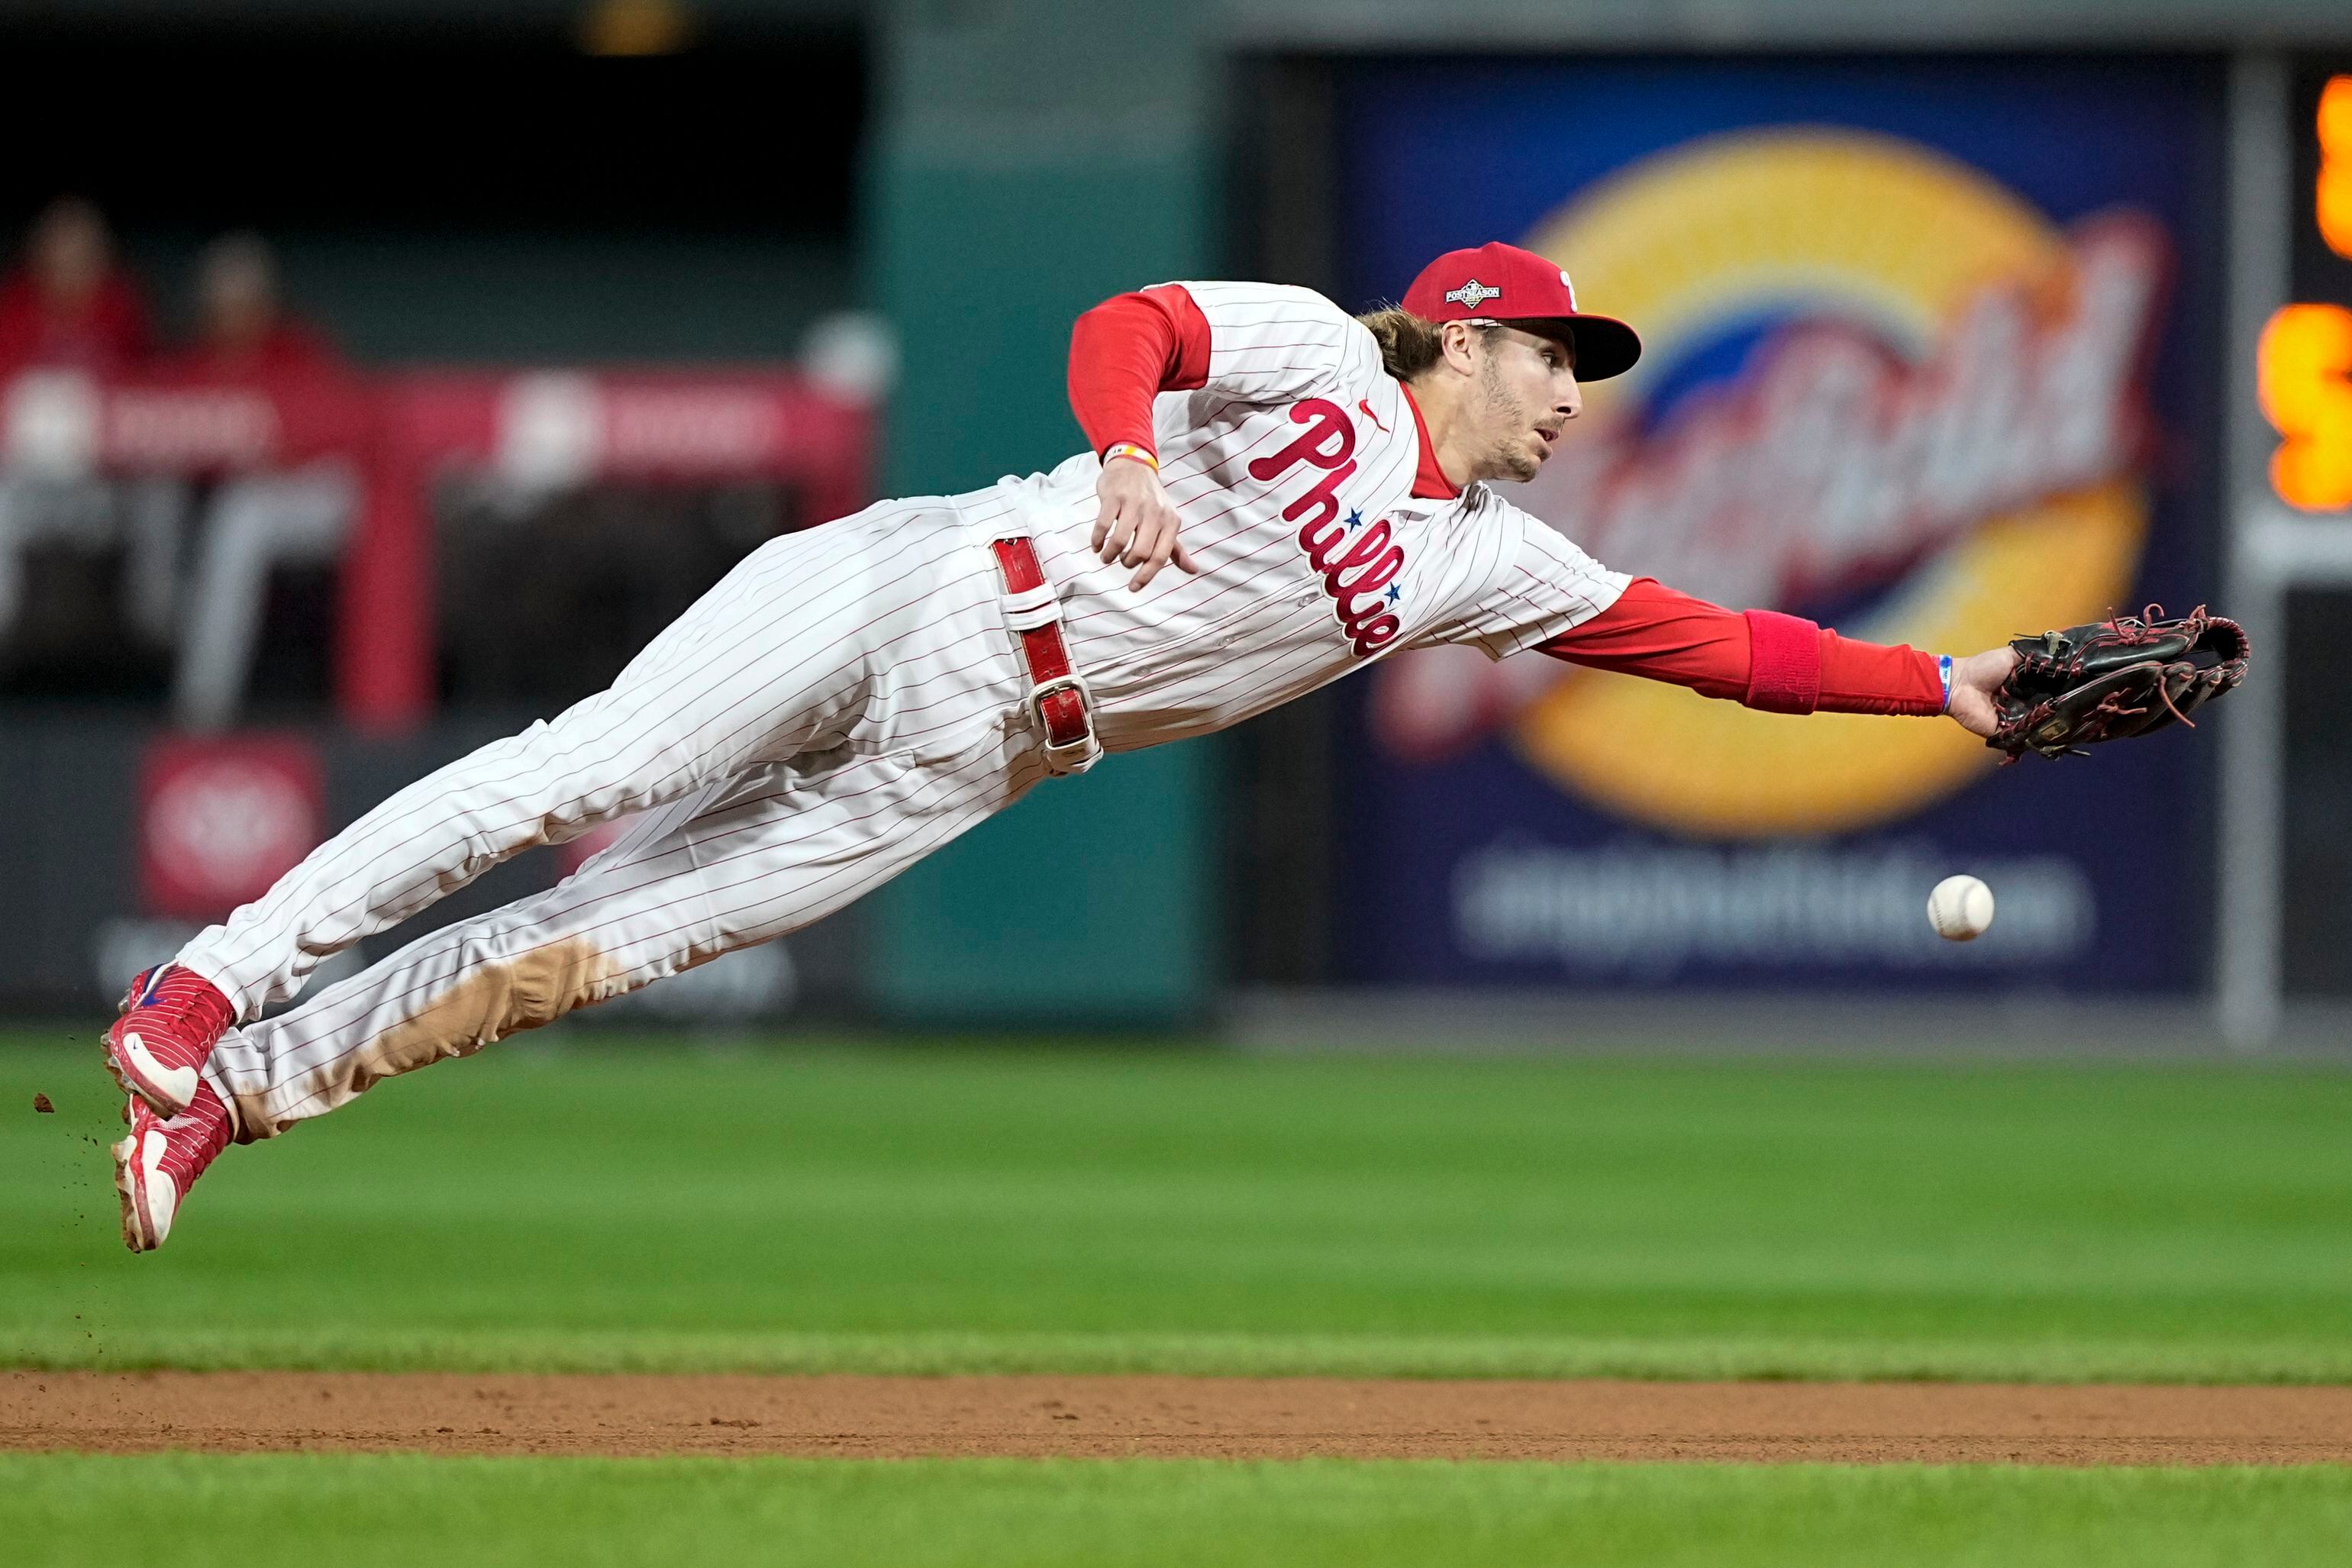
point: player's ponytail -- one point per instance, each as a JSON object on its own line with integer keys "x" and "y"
{"x": 1409, "y": 344}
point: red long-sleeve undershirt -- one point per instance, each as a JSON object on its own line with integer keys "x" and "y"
{"x": 1131, "y": 348}
{"x": 1782, "y": 664}
{"x": 1126, "y": 352}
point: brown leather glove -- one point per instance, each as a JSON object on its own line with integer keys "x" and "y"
{"x": 2114, "y": 680}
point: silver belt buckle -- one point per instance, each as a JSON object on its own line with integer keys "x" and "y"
{"x": 1074, "y": 756}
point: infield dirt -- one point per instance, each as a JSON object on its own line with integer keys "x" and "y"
{"x": 1232, "y": 1418}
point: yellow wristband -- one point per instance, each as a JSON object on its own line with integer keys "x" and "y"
{"x": 1130, "y": 449}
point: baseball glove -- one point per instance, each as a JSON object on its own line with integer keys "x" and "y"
{"x": 2114, "y": 680}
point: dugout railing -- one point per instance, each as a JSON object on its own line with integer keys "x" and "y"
{"x": 389, "y": 441}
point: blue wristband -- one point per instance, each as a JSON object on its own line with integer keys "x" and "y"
{"x": 1944, "y": 669}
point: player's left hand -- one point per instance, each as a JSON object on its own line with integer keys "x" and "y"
{"x": 1137, "y": 526}
{"x": 1974, "y": 680}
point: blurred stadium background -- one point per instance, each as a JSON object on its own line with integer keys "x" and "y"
{"x": 376, "y": 376}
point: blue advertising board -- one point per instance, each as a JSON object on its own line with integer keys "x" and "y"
{"x": 1933, "y": 356}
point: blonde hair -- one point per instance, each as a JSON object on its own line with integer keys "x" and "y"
{"x": 1409, "y": 344}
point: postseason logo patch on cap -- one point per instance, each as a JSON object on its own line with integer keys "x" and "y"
{"x": 1472, "y": 294}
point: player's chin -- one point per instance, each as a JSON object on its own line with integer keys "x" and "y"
{"x": 1522, "y": 463}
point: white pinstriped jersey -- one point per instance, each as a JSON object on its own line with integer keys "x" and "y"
{"x": 1292, "y": 472}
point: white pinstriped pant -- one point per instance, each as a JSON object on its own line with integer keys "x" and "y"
{"x": 847, "y": 700}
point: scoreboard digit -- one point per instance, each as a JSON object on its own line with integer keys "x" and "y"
{"x": 2304, "y": 368}
{"x": 2332, "y": 185}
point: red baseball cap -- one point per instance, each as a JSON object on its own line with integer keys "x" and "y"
{"x": 1498, "y": 282}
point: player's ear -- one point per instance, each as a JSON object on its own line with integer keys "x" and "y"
{"x": 1455, "y": 341}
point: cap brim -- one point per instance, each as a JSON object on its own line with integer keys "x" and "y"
{"x": 1605, "y": 346}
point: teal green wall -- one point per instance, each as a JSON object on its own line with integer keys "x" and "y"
{"x": 998, "y": 207}
{"x": 981, "y": 272}
{"x": 1089, "y": 902}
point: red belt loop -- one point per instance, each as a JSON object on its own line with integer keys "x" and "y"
{"x": 1059, "y": 703}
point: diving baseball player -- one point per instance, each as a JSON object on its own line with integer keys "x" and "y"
{"x": 852, "y": 697}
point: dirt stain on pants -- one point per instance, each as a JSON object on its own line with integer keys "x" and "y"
{"x": 488, "y": 1002}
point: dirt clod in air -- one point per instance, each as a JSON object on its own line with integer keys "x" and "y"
{"x": 44, "y": 1105}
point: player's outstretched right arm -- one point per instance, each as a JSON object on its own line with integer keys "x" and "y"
{"x": 1553, "y": 598}
{"x": 1781, "y": 664}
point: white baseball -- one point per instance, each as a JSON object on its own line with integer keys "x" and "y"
{"x": 1959, "y": 908}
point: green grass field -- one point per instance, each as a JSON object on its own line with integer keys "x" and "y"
{"x": 597, "y": 1203}
{"x": 398, "y": 1510}
{"x": 595, "y": 1206}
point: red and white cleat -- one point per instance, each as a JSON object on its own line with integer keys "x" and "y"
{"x": 155, "y": 1166}
{"x": 172, "y": 1018}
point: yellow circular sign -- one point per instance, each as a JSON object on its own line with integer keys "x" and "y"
{"x": 1869, "y": 229}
